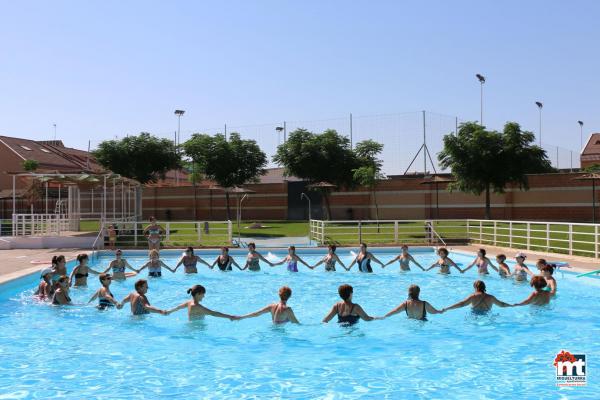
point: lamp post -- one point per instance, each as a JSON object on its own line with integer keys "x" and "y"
{"x": 303, "y": 195}
{"x": 481, "y": 79}
{"x": 179, "y": 113}
{"x": 239, "y": 216}
{"x": 54, "y": 131}
{"x": 580, "y": 135}
{"x": 279, "y": 129}
{"x": 540, "y": 106}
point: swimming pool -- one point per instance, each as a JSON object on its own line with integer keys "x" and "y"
{"x": 79, "y": 352}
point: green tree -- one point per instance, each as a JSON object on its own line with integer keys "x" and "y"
{"x": 30, "y": 165}
{"x": 144, "y": 158}
{"x": 230, "y": 163}
{"x": 482, "y": 161}
{"x": 314, "y": 157}
{"x": 369, "y": 174}
{"x": 34, "y": 189}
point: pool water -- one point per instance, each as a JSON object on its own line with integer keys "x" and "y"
{"x": 82, "y": 353}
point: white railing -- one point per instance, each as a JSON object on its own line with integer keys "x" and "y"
{"x": 39, "y": 224}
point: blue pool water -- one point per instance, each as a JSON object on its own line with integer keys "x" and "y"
{"x": 81, "y": 353}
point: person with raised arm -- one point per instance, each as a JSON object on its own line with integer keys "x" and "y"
{"x": 521, "y": 270}
{"x": 154, "y": 265}
{"x": 480, "y": 301}
{"x": 539, "y": 296}
{"x": 195, "y": 309}
{"x": 292, "y": 260}
{"x": 59, "y": 268}
{"x": 482, "y": 263}
{"x": 140, "y": 304}
{"x": 348, "y": 313}
{"x": 189, "y": 261}
{"x": 253, "y": 259}
{"x": 280, "y": 312}
{"x": 363, "y": 259}
{"x": 444, "y": 262}
{"x": 225, "y": 261}
{"x": 104, "y": 296}
{"x": 330, "y": 259}
{"x": 547, "y": 271}
{"x": 81, "y": 271}
{"x": 118, "y": 266}
{"x": 414, "y": 307}
{"x": 404, "y": 258}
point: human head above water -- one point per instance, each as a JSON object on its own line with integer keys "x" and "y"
{"x": 479, "y": 286}
{"x": 140, "y": 284}
{"x": 345, "y": 291}
{"x": 501, "y": 257}
{"x": 538, "y": 282}
{"x": 224, "y": 250}
{"x": 285, "y": 293}
{"x": 154, "y": 253}
{"x": 251, "y": 246}
{"x": 481, "y": 252}
{"x": 413, "y": 292}
{"x": 104, "y": 278}
{"x": 196, "y": 289}
{"x": 58, "y": 259}
{"x": 442, "y": 252}
{"x": 332, "y": 248}
{"x": 363, "y": 247}
{"x": 292, "y": 249}
{"x": 190, "y": 250}
{"x": 81, "y": 257}
{"x": 547, "y": 269}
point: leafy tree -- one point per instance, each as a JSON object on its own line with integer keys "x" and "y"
{"x": 34, "y": 189}
{"x": 369, "y": 174}
{"x": 144, "y": 158}
{"x": 229, "y": 163}
{"x": 314, "y": 157}
{"x": 482, "y": 161}
{"x": 592, "y": 168}
{"x": 30, "y": 165}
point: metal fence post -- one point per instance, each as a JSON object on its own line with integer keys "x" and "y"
{"x": 510, "y": 234}
{"x": 480, "y": 231}
{"x": 396, "y": 232}
{"x": 596, "y": 241}
{"x": 547, "y": 237}
{"x": 199, "y": 231}
{"x": 528, "y": 235}
{"x": 229, "y": 231}
{"x": 135, "y": 233}
{"x": 468, "y": 231}
{"x": 495, "y": 240}
{"x": 168, "y": 233}
{"x": 359, "y": 231}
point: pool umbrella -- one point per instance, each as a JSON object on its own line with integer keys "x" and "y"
{"x": 324, "y": 187}
{"x": 436, "y": 180}
{"x": 591, "y": 177}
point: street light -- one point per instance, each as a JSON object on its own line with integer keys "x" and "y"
{"x": 580, "y": 134}
{"x": 239, "y": 216}
{"x": 179, "y": 113}
{"x": 540, "y": 106}
{"x": 279, "y": 129}
{"x": 481, "y": 79}
{"x": 303, "y": 195}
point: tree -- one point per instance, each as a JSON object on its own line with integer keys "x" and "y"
{"x": 30, "y": 165}
{"x": 229, "y": 163}
{"x": 482, "y": 161}
{"x": 144, "y": 158}
{"x": 313, "y": 157}
{"x": 34, "y": 189}
{"x": 369, "y": 174}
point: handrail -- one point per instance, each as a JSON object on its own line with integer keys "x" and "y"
{"x": 100, "y": 234}
{"x": 436, "y": 234}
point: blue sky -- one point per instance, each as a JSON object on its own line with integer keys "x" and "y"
{"x": 100, "y": 69}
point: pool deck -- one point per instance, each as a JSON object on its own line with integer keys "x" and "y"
{"x": 17, "y": 263}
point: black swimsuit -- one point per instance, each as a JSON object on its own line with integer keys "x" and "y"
{"x": 424, "y": 315}
{"x": 224, "y": 266}
{"x": 79, "y": 276}
{"x": 103, "y": 302}
{"x": 348, "y": 319}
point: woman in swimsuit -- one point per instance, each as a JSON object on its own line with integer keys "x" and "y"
{"x": 292, "y": 260}
{"x": 444, "y": 262}
{"x": 363, "y": 259}
{"x": 197, "y": 310}
{"x": 118, "y": 266}
{"x": 253, "y": 259}
{"x": 81, "y": 271}
{"x": 139, "y": 302}
{"x": 503, "y": 269}
{"x": 154, "y": 265}
{"x": 480, "y": 301}
{"x": 189, "y": 261}
{"x": 482, "y": 263}
{"x": 224, "y": 261}
{"x": 154, "y": 234}
{"x": 61, "y": 292}
{"x": 59, "y": 268}
{"x": 405, "y": 258}
{"x": 521, "y": 271}
{"x": 280, "y": 312}
{"x": 348, "y": 313}
{"x": 104, "y": 296}
{"x": 330, "y": 259}
{"x": 112, "y": 237}
{"x": 44, "y": 290}
{"x": 414, "y": 307}
{"x": 547, "y": 271}
{"x": 539, "y": 297}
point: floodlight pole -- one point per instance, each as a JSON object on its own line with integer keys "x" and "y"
{"x": 580, "y": 135}
{"x": 424, "y": 146}
{"x": 304, "y": 195}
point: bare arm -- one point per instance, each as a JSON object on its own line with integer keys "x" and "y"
{"x": 218, "y": 314}
{"x": 416, "y": 263}
{"x": 162, "y": 263}
{"x": 267, "y": 261}
{"x": 391, "y": 261}
{"x": 179, "y": 263}
{"x": 492, "y": 265}
{"x": 339, "y": 261}
{"x": 283, "y": 260}
{"x": 375, "y": 259}
{"x": 95, "y": 296}
{"x": 302, "y": 261}
{"x": 526, "y": 301}
{"x": 127, "y": 265}
{"x": 203, "y": 262}
{"x": 435, "y": 264}
{"x": 262, "y": 311}
{"x": 292, "y": 316}
{"x": 363, "y": 314}
{"x": 72, "y": 275}
{"x": 500, "y": 303}
{"x": 352, "y": 264}
{"x": 332, "y": 313}
{"x": 179, "y": 307}
{"x": 93, "y": 271}
{"x": 142, "y": 267}
{"x": 236, "y": 264}
{"x": 459, "y": 304}
{"x": 454, "y": 265}
{"x": 431, "y": 309}
{"x": 108, "y": 268}
{"x": 396, "y": 310}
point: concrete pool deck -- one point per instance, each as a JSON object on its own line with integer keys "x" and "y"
{"x": 17, "y": 262}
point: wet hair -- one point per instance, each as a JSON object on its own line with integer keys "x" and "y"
{"x": 404, "y": 247}
{"x": 225, "y": 249}
{"x": 332, "y": 247}
{"x": 140, "y": 283}
{"x": 190, "y": 249}
{"x": 102, "y": 277}
{"x": 57, "y": 259}
{"x": 196, "y": 289}
{"x": 285, "y": 293}
{"x": 252, "y": 244}
{"x": 479, "y": 286}
{"x": 538, "y": 282}
{"x": 443, "y": 250}
{"x": 413, "y": 292}
{"x": 118, "y": 251}
{"x": 82, "y": 257}
{"x": 363, "y": 244}
{"x": 501, "y": 257}
{"x": 345, "y": 291}
{"x": 483, "y": 252}
{"x": 293, "y": 248}
{"x": 541, "y": 261}
{"x": 548, "y": 268}
{"x": 153, "y": 252}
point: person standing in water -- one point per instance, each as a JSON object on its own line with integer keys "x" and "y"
{"x": 414, "y": 307}
{"x": 153, "y": 233}
{"x": 482, "y": 263}
{"x": 329, "y": 260}
{"x": 253, "y": 259}
{"x": 405, "y": 258}
{"x": 363, "y": 259}
{"x": 61, "y": 292}
{"x": 539, "y": 297}
{"x": 547, "y": 271}
{"x": 195, "y": 309}
{"x": 224, "y": 261}
{"x": 280, "y": 312}
{"x": 189, "y": 261}
{"x": 118, "y": 266}
{"x": 154, "y": 265}
{"x": 292, "y": 260}
{"x": 45, "y": 290}
{"x": 480, "y": 301}
{"x": 444, "y": 262}
{"x": 521, "y": 271}
{"x": 348, "y": 313}
{"x": 81, "y": 271}
{"x": 104, "y": 296}
{"x": 59, "y": 268}
{"x": 503, "y": 269}
{"x": 139, "y": 302}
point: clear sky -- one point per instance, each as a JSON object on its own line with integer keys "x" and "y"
{"x": 100, "y": 69}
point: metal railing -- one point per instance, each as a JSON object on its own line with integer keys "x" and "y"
{"x": 39, "y": 224}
